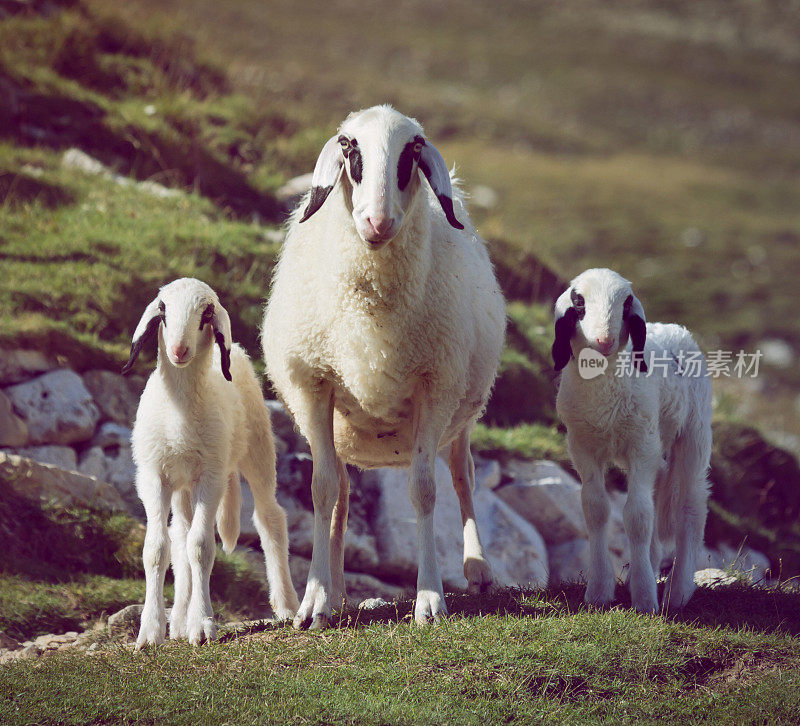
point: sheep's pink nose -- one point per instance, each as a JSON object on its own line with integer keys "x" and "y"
{"x": 380, "y": 225}
{"x": 179, "y": 351}
{"x": 604, "y": 345}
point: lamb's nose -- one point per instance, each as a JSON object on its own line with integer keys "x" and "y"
{"x": 381, "y": 225}
{"x": 605, "y": 345}
{"x": 179, "y": 351}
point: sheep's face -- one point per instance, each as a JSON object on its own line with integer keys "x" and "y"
{"x": 381, "y": 152}
{"x": 598, "y": 311}
{"x": 188, "y": 318}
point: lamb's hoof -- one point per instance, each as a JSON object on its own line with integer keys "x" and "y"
{"x": 479, "y": 575}
{"x": 599, "y": 594}
{"x": 430, "y": 607}
{"x": 205, "y": 630}
{"x": 283, "y": 615}
{"x": 152, "y": 631}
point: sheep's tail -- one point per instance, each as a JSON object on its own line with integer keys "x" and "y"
{"x": 229, "y": 514}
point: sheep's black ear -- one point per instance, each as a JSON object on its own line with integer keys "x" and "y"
{"x": 565, "y": 329}
{"x": 637, "y": 329}
{"x": 221, "y": 323}
{"x": 147, "y": 328}
{"x": 433, "y": 167}
{"x": 326, "y": 174}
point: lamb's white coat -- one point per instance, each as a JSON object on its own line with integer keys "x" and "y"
{"x": 194, "y": 433}
{"x": 384, "y": 355}
{"x": 654, "y": 426}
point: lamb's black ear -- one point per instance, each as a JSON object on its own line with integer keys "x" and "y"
{"x": 147, "y": 328}
{"x": 637, "y": 329}
{"x": 566, "y": 320}
{"x": 221, "y": 323}
{"x": 434, "y": 168}
{"x": 326, "y": 174}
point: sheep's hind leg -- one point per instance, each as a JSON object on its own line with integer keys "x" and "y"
{"x": 338, "y": 528}
{"x": 462, "y": 468}
{"x": 201, "y": 551}
{"x": 155, "y": 557}
{"x": 315, "y": 609}
{"x": 181, "y": 572}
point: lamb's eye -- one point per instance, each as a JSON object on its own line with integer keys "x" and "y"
{"x": 162, "y": 308}
{"x": 344, "y": 142}
{"x": 577, "y": 301}
{"x": 207, "y": 315}
{"x": 418, "y": 147}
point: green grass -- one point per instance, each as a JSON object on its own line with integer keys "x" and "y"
{"x": 513, "y": 657}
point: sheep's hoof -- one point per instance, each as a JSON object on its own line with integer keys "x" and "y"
{"x": 479, "y": 575}
{"x": 320, "y": 622}
{"x": 430, "y": 607}
{"x": 204, "y": 631}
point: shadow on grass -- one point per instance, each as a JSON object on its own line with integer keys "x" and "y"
{"x": 734, "y": 606}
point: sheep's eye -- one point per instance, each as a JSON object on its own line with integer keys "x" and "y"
{"x": 161, "y": 307}
{"x": 577, "y": 301}
{"x": 418, "y": 147}
{"x": 344, "y": 142}
{"x": 207, "y": 315}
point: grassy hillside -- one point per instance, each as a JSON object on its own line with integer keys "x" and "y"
{"x": 516, "y": 657}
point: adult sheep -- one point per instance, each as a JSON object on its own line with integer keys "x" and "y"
{"x": 382, "y": 335}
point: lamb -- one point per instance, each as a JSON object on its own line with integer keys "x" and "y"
{"x": 382, "y": 335}
{"x": 194, "y": 433}
{"x": 655, "y": 424}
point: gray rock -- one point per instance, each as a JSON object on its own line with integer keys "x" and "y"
{"x": 546, "y": 496}
{"x": 63, "y": 457}
{"x": 752, "y": 564}
{"x": 712, "y": 577}
{"x": 569, "y": 562}
{"x": 488, "y": 473}
{"x": 19, "y": 365}
{"x": 13, "y": 430}
{"x": 111, "y": 434}
{"x": 50, "y": 484}
{"x": 57, "y": 407}
{"x": 284, "y": 429}
{"x": 113, "y": 464}
{"x": 515, "y": 549}
{"x": 125, "y": 620}
{"x": 116, "y": 396}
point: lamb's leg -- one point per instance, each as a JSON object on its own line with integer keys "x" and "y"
{"x": 637, "y": 516}
{"x": 430, "y": 603}
{"x": 201, "y": 551}
{"x": 315, "y": 609}
{"x": 338, "y": 528}
{"x": 155, "y": 557}
{"x": 270, "y": 521}
{"x": 596, "y": 510}
{"x": 689, "y": 475}
{"x": 181, "y": 573}
{"x": 462, "y": 468}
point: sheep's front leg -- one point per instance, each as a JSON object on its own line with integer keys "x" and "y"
{"x": 430, "y": 605}
{"x": 201, "y": 551}
{"x": 181, "y": 572}
{"x": 315, "y": 609}
{"x": 596, "y": 510}
{"x": 462, "y": 469}
{"x": 338, "y": 528}
{"x": 637, "y": 516}
{"x": 155, "y": 557}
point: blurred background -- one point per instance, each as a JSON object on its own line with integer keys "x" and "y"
{"x": 660, "y": 138}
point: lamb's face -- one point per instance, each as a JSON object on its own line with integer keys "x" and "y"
{"x": 382, "y": 152}
{"x": 188, "y": 311}
{"x": 188, "y": 318}
{"x": 598, "y": 311}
